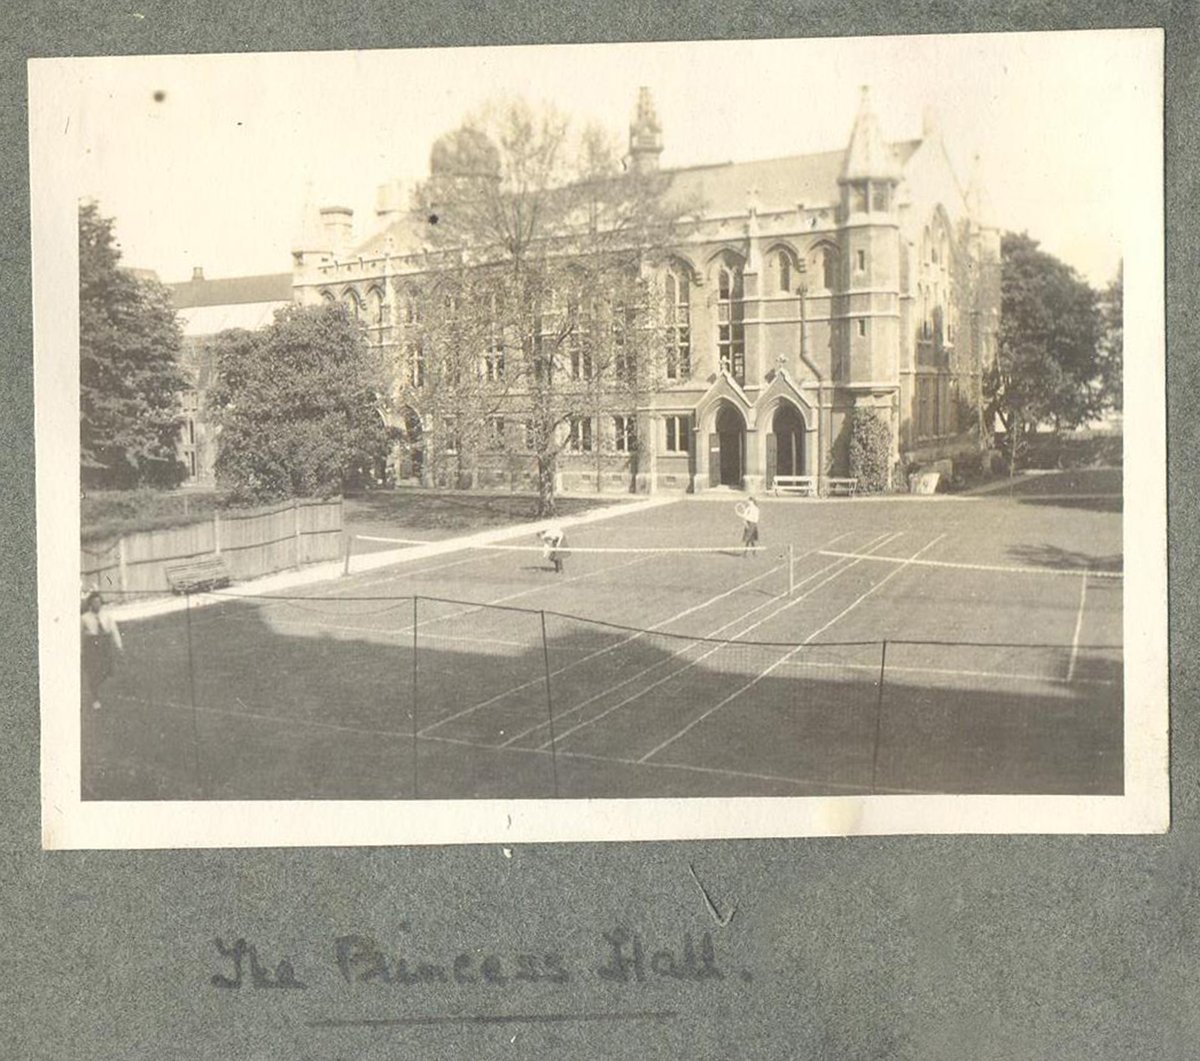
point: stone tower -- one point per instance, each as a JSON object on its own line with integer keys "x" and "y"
{"x": 867, "y": 328}
{"x": 645, "y": 134}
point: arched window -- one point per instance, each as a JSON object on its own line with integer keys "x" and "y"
{"x": 351, "y": 302}
{"x": 828, "y": 260}
{"x": 377, "y": 309}
{"x": 731, "y": 317}
{"x": 785, "y": 272}
{"x": 413, "y": 340}
{"x": 679, "y": 335}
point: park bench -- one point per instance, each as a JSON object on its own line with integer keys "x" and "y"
{"x": 199, "y": 574}
{"x": 804, "y": 485}
{"x": 841, "y": 487}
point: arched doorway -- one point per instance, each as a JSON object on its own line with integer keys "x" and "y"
{"x": 788, "y": 428}
{"x": 727, "y": 448}
{"x": 412, "y": 447}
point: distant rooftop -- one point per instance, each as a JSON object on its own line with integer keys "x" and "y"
{"x": 231, "y": 290}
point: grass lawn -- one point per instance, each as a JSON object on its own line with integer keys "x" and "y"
{"x": 442, "y": 513}
{"x": 108, "y": 513}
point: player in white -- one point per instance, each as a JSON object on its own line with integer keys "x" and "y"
{"x": 554, "y": 543}
{"x": 748, "y": 511}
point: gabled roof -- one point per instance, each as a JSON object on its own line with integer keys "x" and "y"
{"x": 773, "y": 183}
{"x": 232, "y": 290}
{"x": 718, "y": 189}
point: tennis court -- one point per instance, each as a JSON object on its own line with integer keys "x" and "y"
{"x": 891, "y": 646}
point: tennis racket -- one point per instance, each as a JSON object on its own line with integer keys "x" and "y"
{"x": 742, "y": 509}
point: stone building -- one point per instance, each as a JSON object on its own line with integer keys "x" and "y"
{"x": 205, "y": 309}
{"x": 809, "y": 286}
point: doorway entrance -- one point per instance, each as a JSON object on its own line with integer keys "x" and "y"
{"x": 787, "y": 426}
{"x": 727, "y": 449}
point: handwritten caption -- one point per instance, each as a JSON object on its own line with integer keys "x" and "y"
{"x": 621, "y": 956}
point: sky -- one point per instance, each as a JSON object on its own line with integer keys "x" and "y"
{"x": 207, "y": 161}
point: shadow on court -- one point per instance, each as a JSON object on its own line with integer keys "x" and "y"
{"x": 319, "y": 699}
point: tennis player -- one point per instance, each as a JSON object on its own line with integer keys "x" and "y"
{"x": 101, "y": 641}
{"x": 554, "y": 542}
{"x": 748, "y": 510}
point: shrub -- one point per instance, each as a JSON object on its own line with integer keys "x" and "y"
{"x": 870, "y": 451}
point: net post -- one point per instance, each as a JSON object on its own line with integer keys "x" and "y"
{"x": 878, "y": 716}
{"x": 191, "y": 666}
{"x": 416, "y": 794}
{"x": 348, "y": 542}
{"x": 549, "y": 704}
{"x": 791, "y": 562}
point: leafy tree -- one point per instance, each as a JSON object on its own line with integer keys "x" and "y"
{"x": 298, "y": 406}
{"x": 556, "y": 236}
{"x": 129, "y": 375}
{"x": 1047, "y": 358}
{"x": 870, "y": 450}
{"x": 1112, "y": 342}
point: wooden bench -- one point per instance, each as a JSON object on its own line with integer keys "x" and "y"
{"x": 841, "y": 487}
{"x": 804, "y": 485}
{"x": 197, "y": 575}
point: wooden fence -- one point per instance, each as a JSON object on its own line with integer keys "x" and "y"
{"x": 251, "y": 542}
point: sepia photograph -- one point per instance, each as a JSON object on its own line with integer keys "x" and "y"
{"x": 625, "y": 441}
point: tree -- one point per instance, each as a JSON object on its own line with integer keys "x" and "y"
{"x": 129, "y": 376}
{"x": 557, "y": 238}
{"x": 298, "y": 406}
{"x": 1112, "y": 342}
{"x": 1047, "y": 359}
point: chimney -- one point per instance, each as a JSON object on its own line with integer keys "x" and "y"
{"x": 338, "y": 223}
{"x": 389, "y": 200}
{"x": 197, "y": 273}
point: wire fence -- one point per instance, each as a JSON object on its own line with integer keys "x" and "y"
{"x": 427, "y": 697}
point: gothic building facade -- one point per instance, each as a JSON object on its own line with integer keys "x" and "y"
{"x": 808, "y": 286}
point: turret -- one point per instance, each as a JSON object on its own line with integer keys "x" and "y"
{"x": 867, "y": 336}
{"x": 311, "y": 245}
{"x": 869, "y": 173}
{"x": 338, "y": 222}
{"x": 645, "y": 134}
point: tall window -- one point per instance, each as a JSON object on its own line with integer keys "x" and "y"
{"x": 414, "y": 347}
{"x": 351, "y": 302}
{"x": 579, "y": 437}
{"x": 785, "y": 273}
{"x": 495, "y": 435}
{"x": 579, "y": 340}
{"x": 377, "y": 313}
{"x": 624, "y": 434}
{"x": 677, "y": 434}
{"x": 623, "y": 324}
{"x": 679, "y": 341}
{"x": 731, "y": 327}
{"x": 829, "y": 264}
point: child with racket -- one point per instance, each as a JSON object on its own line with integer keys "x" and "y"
{"x": 748, "y": 512}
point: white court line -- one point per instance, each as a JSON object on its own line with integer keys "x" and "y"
{"x": 515, "y": 596}
{"x": 674, "y": 656}
{"x": 540, "y": 679}
{"x": 811, "y": 637}
{"x": 395, "y": 541}
{"x": 990, "y": 567}
{"x": 883, "y": 539}
{"x": 1078, "y": 627}
{"x": 949, "y": 672}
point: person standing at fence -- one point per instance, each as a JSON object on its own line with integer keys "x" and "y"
{"x": 101, "y": 641}
{"x": 554, "y": 546}
{"x": 748, "y": 511}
